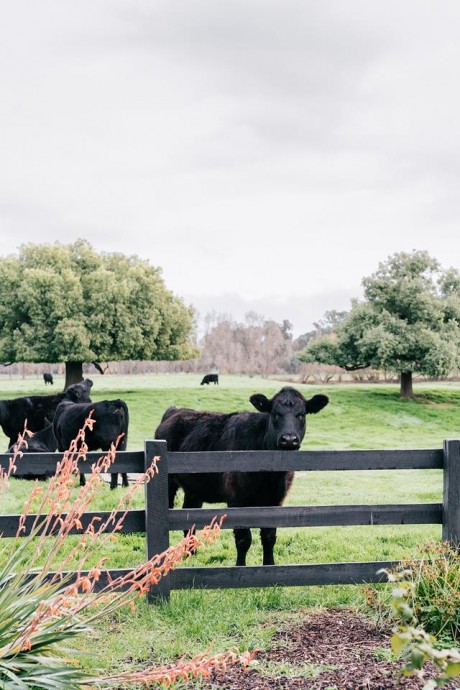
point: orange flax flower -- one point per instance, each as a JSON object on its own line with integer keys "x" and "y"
{"x": 200, "y": 665}
{"x": 69, "y": 601}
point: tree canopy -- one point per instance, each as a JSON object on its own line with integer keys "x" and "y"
{"x": 68, "y": 303}
{"x": 408, "y": 322}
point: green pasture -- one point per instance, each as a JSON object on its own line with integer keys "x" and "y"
{"x": 358, "y": 416}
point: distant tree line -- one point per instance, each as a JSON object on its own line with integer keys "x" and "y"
{"x": 256, "y": 346}
{"x": 67, "y": 309}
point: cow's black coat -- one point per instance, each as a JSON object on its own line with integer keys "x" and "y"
{"x": 111, "y": 421}
{"x": 38, "y": 410}
{"x": 43, "y": 441}
{"x": 279, "y": 425}
{"x": 210, "y": 378}
{"x": 48, "y": 378}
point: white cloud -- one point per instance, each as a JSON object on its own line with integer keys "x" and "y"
{"x": 273, "y": 151}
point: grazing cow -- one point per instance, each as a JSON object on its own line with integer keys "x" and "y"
{"x": 112, "y": 420}
{"x": 48, "y": 378}
{"x": 36, "y": 409}
{"x": 210, "y": 378}
{"x": 279, "y": 425}
{"x": 43, "y": 441}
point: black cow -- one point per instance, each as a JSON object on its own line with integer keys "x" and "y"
{"x": 37, "y": 409}
{"x": 279, "y": 425}
{"x": 43, "y": 441}
{"x": 210, "y": 378}
{"x": 112, "y": 420}
{"x": 48, "y": 378}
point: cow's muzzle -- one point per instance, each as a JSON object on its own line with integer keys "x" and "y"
{"x": 289, "y": 442}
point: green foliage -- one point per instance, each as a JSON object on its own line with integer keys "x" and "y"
{"x": 67, "y": 303}
{"x": 432, "y": 591}
{"x": 324, "y": 350}
{"x": 409, "y": 321}
{"x": 411, "y": 639}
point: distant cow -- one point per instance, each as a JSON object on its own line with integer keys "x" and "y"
{"x": 111, "y": 420}
{"x": 43, "y": 441}
{"x": 279, "y": 425}
{"x": 48, "y": 378}
{"x": 37, "y": 409}
{"x": 210, "y": 378}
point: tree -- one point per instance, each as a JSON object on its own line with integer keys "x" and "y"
{"x": 408, "y": 322}
{"x": 331, "y": 320}
{"x": 67, "y": 303}
{"x": 328, "y": 324}
{"x": 257, "y": 346}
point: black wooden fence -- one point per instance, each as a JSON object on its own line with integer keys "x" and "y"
{"x": 156, "y": 521}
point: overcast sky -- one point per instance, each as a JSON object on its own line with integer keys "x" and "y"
{"x": 265, "y": 154}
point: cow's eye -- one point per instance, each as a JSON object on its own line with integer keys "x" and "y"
{"x": 276, "y": 417}
{"x": 300, "y": 417}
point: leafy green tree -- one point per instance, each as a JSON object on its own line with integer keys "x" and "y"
{"x": 328, "y": 324}
{"x": 408, "y": 322}
{"x": 68, "y": 303}
{"x": 330, "y": 321}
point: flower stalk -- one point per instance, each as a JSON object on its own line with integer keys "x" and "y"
{"x": 44, "y": 609}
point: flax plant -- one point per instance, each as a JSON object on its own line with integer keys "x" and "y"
{"x": 43, "y": 612}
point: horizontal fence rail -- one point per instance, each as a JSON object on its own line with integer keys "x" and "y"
{"x": 156, "y": 521}
{"x": 307, "y": 516}
{"x": 45, "y": 463}
{"x": 303, "y": 460}
{"x": 245, "y": 460}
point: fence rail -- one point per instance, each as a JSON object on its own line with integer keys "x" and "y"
{"x": 157, "y": 520}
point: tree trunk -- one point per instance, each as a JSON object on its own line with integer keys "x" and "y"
{"x": 73, "y": 373}
{"x": 406, "y": 391}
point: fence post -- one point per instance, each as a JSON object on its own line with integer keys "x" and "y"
{"x": 156, "y": 515}
{"x": 451, "y": 493}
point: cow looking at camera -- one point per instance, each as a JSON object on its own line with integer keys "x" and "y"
{"x": 279, "y": 424}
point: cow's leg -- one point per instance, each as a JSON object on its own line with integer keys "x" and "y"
{"x": 82, "y": 479}
{"x": 243, "y": 541}
{"x": 173, "y": 486}
{"x": 113, "y": 480}
{"x": 268, "y": 539}
{"x": 114, "y": 475}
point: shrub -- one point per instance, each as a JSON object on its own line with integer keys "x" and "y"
{"x": 413, "y": 643}
{"x": 434, "y": 593}
{"x": 43, "y": 613}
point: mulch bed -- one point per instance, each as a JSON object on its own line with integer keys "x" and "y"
{"x": 330, "y": 650}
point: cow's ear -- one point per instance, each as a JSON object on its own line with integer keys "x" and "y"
{"x": 316, "y": 404}
{"x": 261, "y": 402}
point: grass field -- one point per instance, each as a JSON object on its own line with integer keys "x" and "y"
{"x": 358, "y": 416}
